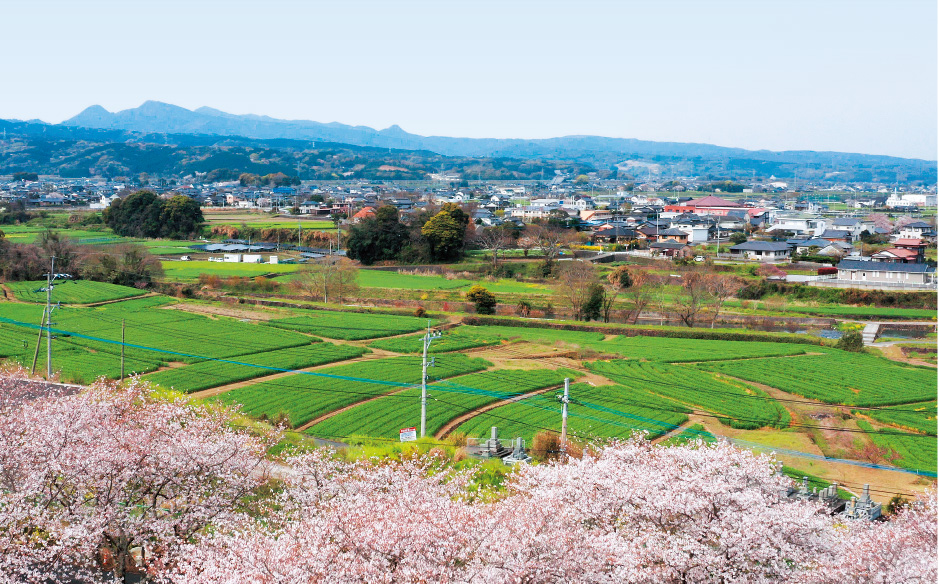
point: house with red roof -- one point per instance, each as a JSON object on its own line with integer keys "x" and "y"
{"x": 709, "y": 205}
{"x": 363, "y": 214}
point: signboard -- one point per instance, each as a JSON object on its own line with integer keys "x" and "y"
{"x": 408, "y": 434}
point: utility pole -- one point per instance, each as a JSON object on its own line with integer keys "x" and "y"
{"x": 42, "y": 323}
{"x": 428, "y": 338}
{"x": 122, "y": 350}
{"x": 51, "y": 275}
{"x": 565, "y": 399}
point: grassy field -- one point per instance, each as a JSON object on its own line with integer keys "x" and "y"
{"x": 871, "y": 312}
{"x": 737, "y": 404}
{"x": 72, "y": 291}
{"x": 206, "y": 374}
{"x": 838, "y": 377}
{"x": 396, "y": 281}
{"x": 301, "y": 398}
{"x": 597, "y": 413}
{"x": 350, "y": 325}
{"x": 190, "y": 271}
{"x": 388, "y": 279}
{"x": 384, "y": 417}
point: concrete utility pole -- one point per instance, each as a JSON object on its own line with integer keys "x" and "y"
{"x": 122, "y": 350}
{"x": 565, "y": 399}
{"x": 428, "y": 338}
{"x": 49, "y": 279}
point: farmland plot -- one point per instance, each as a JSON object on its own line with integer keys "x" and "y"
{"x": 612, "y": 411}
{"x": 446, "y": 400}
{"x": 917, "y": 416}
{"x": 666, "y": 349}
{"x": 350, "y": 325}
{"x": 301, "y": 398}
{"x": 454, "y": 340}
{"x": 838, "y": 377}
{"x": 914, "y": 451}
{"x": 737, "y": 404}
{"x": 72, "y": 291}
{"x": 206, "y": 374}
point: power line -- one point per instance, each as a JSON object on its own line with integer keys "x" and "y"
{"x": 389, "y": 383}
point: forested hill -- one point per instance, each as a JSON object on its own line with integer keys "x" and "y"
{"x": 81, "y": 152}
{"x": 599, "y": 151}
{"x": 183, "y": 148}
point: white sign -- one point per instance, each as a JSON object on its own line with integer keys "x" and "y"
{"x": 408, "y": 434}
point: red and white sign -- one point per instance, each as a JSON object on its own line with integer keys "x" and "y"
{"x": 408, "y": 434}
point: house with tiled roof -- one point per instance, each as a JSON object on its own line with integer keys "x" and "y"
{"x": 363, "y": 214}
{"x": 709, "y": 205}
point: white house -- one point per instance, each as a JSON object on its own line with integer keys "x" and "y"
{"x": 799, "y": 224}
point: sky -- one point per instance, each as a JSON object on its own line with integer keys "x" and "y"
{"x": 844, "y": 75}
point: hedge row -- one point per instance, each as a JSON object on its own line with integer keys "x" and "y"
{"x": 706, "y": 334}
{"x": 883, "y": 298}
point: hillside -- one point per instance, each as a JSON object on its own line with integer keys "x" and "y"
{"x": 682, "y": 158}
{"x": 79, "y": 152}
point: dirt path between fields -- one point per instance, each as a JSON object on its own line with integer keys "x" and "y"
{"x": 103, "y": 302}
{"x": 895, "y": 353}
{"x": 9, "y": 295}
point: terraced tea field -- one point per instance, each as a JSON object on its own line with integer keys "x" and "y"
{"x": 72, "y": 291}
{"x": 301, "y": 398}
{"x": 611, "y": 411}
{"x": 916, "y": 416}
{"x": 674, "y": 350}
{"x": 383, "y": 417}
{"x": 838, "y": 377}
{"x": 737, "y": 404}
{"x": 350, "y": 325}
{"x": 207, "y": 374}
{"x": 452, "y": 340}
{"x": 912, "y": 451}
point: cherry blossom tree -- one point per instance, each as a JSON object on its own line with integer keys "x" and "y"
{"x": 631, "y": 513}
{"x": 112, "y": 478}
{"x": 900, "y": 550}
{"x": 96, "y": 482}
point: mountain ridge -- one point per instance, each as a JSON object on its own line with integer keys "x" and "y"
{"x": 154, "y": 117}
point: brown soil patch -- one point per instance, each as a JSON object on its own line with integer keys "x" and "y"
{"x": 207, "y": 310}
{"x": 895, "y": 353}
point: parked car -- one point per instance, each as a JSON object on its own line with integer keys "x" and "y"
{"x": 699, "y": 258}
{"x": 185, "y": 258}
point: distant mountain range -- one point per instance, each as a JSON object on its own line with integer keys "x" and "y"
{"x": 158, "y": 117}
{"x": 126, "y": 140}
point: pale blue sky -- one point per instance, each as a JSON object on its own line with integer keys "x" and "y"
{"x": 849, "y": 75}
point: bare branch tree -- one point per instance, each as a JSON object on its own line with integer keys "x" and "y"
{"x": 720, "y": 288}
{"x": 495, "y": 239}
{"x": 574, "y": 282}
{"x": 694, "y": 292}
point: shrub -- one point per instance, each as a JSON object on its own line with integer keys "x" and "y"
{"x": 484, "y": 301}
{"x": 419, "y": 312}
